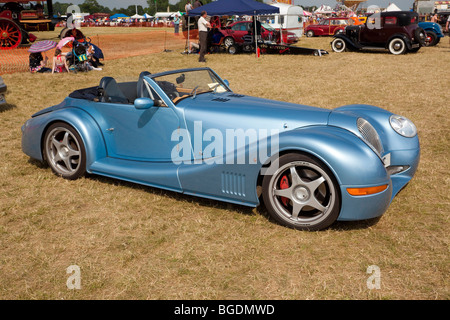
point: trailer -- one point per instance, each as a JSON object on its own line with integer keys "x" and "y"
{"x": 19, "y": 17}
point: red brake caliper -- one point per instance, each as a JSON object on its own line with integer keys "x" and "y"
{"x": 284, "y": 184}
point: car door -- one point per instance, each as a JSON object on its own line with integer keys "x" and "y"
{"x": 137, "y": 134}
{"x": 239, "y": 30}
{"x": 374, "y": 34}
{"x": 334, "y": 24}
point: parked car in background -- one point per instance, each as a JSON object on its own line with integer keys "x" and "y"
{"x": 2, "y": 91}
{"x": 235, "y": 32}
{"x": 397, "y": 31}
{"x": 434, "y": 33}
{"x": 327, "y": 27}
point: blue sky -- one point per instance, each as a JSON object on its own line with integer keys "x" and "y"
{"x": 403, "y": 4}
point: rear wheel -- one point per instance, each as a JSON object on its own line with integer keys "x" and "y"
{"x": 338, "y": 45}
{"x": 10, "y": 34}
{"x": 64, "y": 33}
{"x": 397, "y": 46}
{"x": 430, "y": 39}
{"x": 64, "y": 151}
{"x": 302, "y": 193}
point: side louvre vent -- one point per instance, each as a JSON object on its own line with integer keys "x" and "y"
{"x": 234, "y": 95}
{"x": 233, "y": 183}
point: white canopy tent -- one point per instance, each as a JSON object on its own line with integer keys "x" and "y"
{"x": 137, "y": 16}
{"x": 323, "y": 9}
{"x": 392, "y": 7}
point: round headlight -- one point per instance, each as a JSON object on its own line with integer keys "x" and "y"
{"x": 403, "y": 126}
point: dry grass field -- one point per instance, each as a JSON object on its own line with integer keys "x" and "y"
{"x": 135, "y": 242}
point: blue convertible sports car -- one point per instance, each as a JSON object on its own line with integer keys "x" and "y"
{"x": 187, "y": 131}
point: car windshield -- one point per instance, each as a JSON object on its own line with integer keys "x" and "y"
{"x": 267, "y": 27}
{"x": 188, "y": 83}
{"x": 322, "y": 22}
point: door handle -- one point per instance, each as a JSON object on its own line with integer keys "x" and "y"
{"x": 110, "y": 129}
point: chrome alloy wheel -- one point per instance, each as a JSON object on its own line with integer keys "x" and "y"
{"x": 64, "y": 151}
{"x": 302, "y": 193}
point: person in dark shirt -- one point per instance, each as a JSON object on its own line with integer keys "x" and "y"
{"x": 197, "y": 4}
{"x": 37, "y": 63}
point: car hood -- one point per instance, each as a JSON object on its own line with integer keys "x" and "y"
{"x": 234, "y": 111}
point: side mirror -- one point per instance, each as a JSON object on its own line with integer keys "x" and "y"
{"x": 144, "y": 103}
{"x": 226, "y": 82}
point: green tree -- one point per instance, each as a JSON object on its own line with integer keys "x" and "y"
{"x": 60, "y": 8}
{"x": 92, "y": 6}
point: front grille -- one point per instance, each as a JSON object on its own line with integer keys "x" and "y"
{"x": 370, "y": 135}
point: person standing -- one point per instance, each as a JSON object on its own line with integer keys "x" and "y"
{"x": 197, "y": 4}
{"x": 176, "y": 24}
{"x": 203, "y": 26}
{"x": 188, "y": 7}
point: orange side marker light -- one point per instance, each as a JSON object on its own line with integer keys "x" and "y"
{"x": 366, "y": 191}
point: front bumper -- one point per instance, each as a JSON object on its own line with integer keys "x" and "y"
{"x": 372, "y": 206}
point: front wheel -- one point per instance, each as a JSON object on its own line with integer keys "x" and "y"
{"x": 310, "y": 34}
{"x": 232, "y": 49}
{"x": 64, "y": 151}
{"x": 397, "y": 46}
{"x": 228, "y": 41}
{"x": 302, "y": 193}
{"x": 338, "y": 45}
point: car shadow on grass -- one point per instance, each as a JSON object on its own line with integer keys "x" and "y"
{"x": 7, "y": 107}
{"x": 216, "y": 204}
{"x": 209, "y": 203}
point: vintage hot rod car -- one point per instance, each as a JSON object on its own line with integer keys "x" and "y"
{"x": 396, "y": 31}
{"x": 187, "y": 131}
{"x": 434, "y": 33}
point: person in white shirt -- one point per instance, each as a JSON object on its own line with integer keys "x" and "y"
{"x": 203, "y": 26}
{"x": 188, "y": 7}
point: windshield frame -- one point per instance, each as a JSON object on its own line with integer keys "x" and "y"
{"x": 159, "y": 90}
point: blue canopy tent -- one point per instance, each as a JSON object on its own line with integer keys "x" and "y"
{"x": 118, "y": 15}
{"x": 235, "y": 7}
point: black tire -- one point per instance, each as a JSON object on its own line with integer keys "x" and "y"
{"x": 397, "y": 46}
{"x": 232, "y": 49}
{"x": 310, "y": 198}
{"x": 338, "y": 45}
{"x": 420, "y": 36}
{"x": 64, "y": 33}
{"x": 228, "y": 41}
{"x": 64, "y": 151}
{"x": 310, "y": 34}
{"x": 431, "y": 39}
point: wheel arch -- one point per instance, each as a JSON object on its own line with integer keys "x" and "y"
{"x": 349, "y": 159}
{"x": 86, "y": 127}
{"x": 401, "y": 36}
